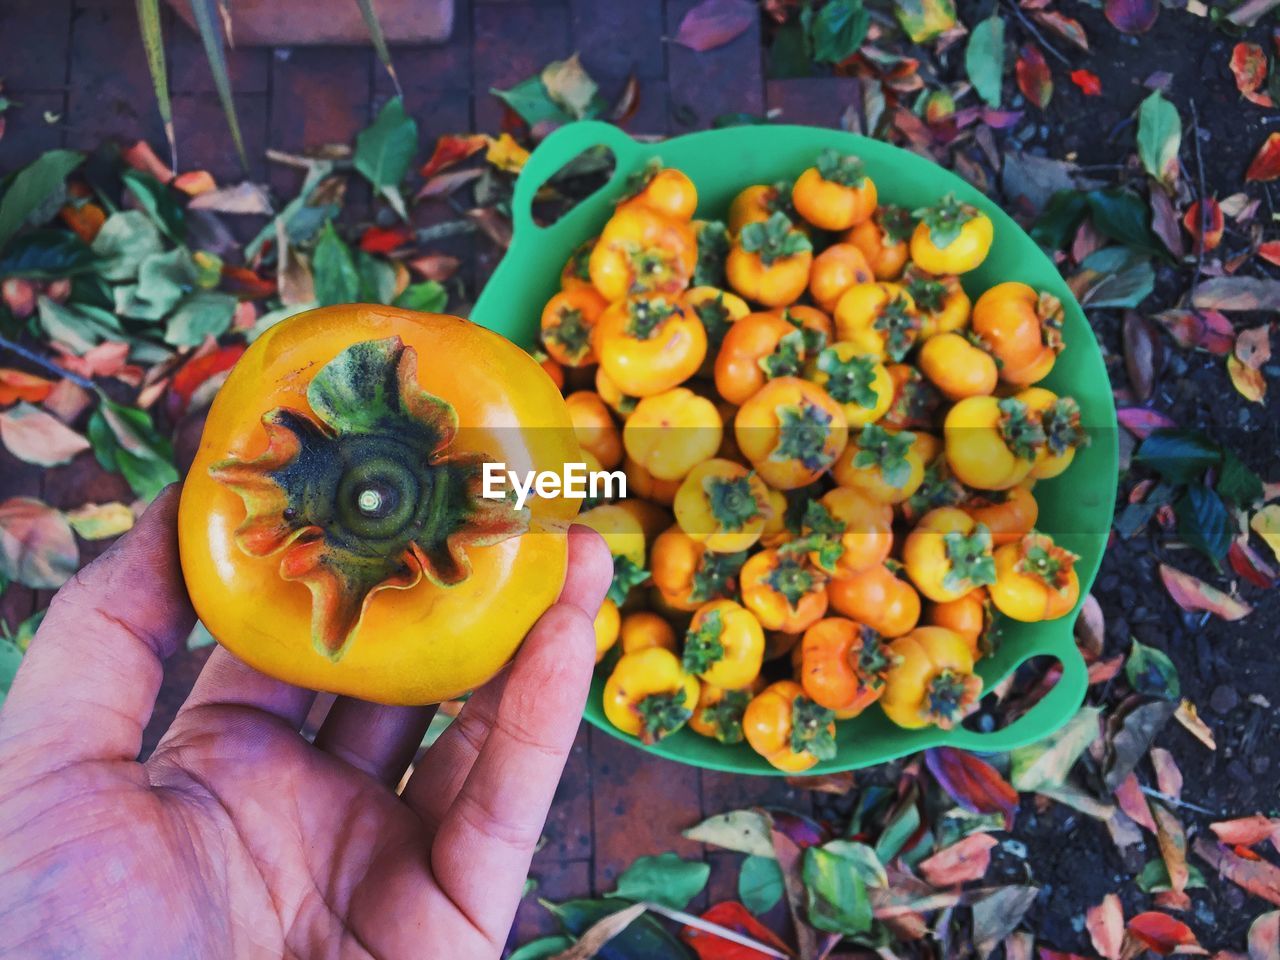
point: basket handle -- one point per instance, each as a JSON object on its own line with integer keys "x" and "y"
{"x": 559, "y": 148}
{"x": 1060, "y": 702}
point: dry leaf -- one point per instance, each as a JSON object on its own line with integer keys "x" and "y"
{"x": 1249, "y": 383}
{"x": 1258, "y": 877}
{"x": 1266, "y": 163}
{"x": 1189, "y": 717}
{"x": 961, "y": 862}
{"x": 601, "y": 932}
{"x": 713, "y": 23}
{"x": 1249, "y": 65}
{"x": 1105, "y": 924}
{"x": 1192, "y": 593}
{"x": 1264, "y": 937}
{"x": 1248, "y": 831}
{"x": 98, "y": 521}
{"x": 1168, "y": 776}
{"x": 1172, "y": 840}
{"x": 37, "y": 547}
{"x": 1161, "y": 933}
{"x": 243, "y": 198}
{"x": 35, "y": 436}
{"x": 19, "y": 385}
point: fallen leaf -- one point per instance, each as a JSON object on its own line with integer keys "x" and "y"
{"x": 1132, "y": 16}
{"x": 1253, "y": 346}
{"x": 1238, "y": 293}
{"x": 194, "y": 183}
{"x": 1142, "y": 354}
{"x": 961, "y": 862}
{"x": 1249, "y": 64}
{"x": 1168, "y": 776}
{"x": 1208, "y": 231}
{"x": 628, "y": 102}
{"x": 1141, "y": 422}
{"x": 492, "y": 224}
{"x": 377, "y": 239}
{"x": 37, "y": 547}
{"x": 1189, "y": 717}
{"x": 713, "y": 23}
{"x": 1133, "y": 802}
{"x": 1266, "y": 163}
{"x": 1258, "y": 877}
{"x": 1264, "y": 937}
{"x": 837, "y": 784}
{"x": 1248, "y": 563}
{"x": 1266, "y": 524}
{"x": 1248, "y": 831}
{"x": 35, "y": 436}
{"x": 1191, "y": 593}
{"x": 98, "y": 521}
{"x": 197, "y": 370}
{"x": 140, "y": 156}
{"x": 1165, "y": 224}
{"x": 506, "y": 154}
{"x": 434, "y": 266}
{"x": 1171, "y": 837}
{"x": 1199, "y": 329}
{"x": 452, "y": 149}
{"x": 600, "y": 933}
{"x": 569, "y": 86}
{"x": 1249, "y": 383}
{"x": 996, "y": 916}
{"x": 1047, "y": 762}
{"x": 443, "y": 184}
{"x": 1161, "y": 932}
{"x": 1090, "y": 628}
{"x": 19, "y": 385}
{"x": 1270, "y": 252}
{"x": 67, "y": 401}
{"x": 972, "y": 782}
{"x": 1159, "y": 138}
{"x": 743, "y": 831}
{"x": 1105, "y": 923}
{"x": 1034, "y": 79}
{"x": 732, "y": 916}
{"x": 243, "y": 198}
{"x": 1067, "y": 28}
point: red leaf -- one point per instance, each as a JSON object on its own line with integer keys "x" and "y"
{"x": 1140, "y": 421}
{"x": 1248, "y": 563}
{"x": 1213, "y": 224}
{"x": 1168, "y": 775}
{"x": 141, "y": 157}
{"x": 735, "y": 917}
{"x": 1249, "y": 64}
{"x": 1266, "y": 165}
{"x": 1133, "y": 802}
{"x": 199, "y": 369}
{"x": 961, "y": 862}
{"x": 1088, "y": 83}
{"x": 245, "y": 284}
{"x": 1132, "y": 16}
{"x": 1191, "y": 593}
{"x": 451, "y": 149}
{"x": 628, "y": 102}
{"x": 1248, "y": 830}
{"x": 1200, "y": 329}
{"x": 1258, "y": 877}
{"x": 1065, "y": 27}
{"x": 1161, "y": 933}
{"x": 1270, "y": 252}
{"x": 384, "y": 240}
{"x": 973, "y": 783}
{"x": 1105, "y": 924}
{"x": 713, "y": 23}
{"x": 1034, "y": 79}
{"x": 1047, "y": 954}
{"x": 17, "y": 385}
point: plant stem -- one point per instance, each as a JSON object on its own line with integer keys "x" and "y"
{"x": 45, "y": 364}
{"x": 1034, "y": 31}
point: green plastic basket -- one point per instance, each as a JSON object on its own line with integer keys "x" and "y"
{"x": 1075, "y": 508}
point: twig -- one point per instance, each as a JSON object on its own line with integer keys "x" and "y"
{"x": 689, "y": 920}
{"x": 1035, "y": 32}
{"x": 1175, "y": 802}
{"x": 1204, "y": 207}
{"x": 306, "y": 163}
{"x": 45, "y": 364}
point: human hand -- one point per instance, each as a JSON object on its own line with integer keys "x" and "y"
{"x": 238, "y": 838}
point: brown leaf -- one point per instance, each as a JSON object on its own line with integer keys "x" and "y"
{"x": 37, "y": 437}
{"x": 1192, "y": 593}
{"x": 1172, "y": 840}
{"x": 1264, "y": 937}
{"x": 37, "y": 547}
{"x": 1266, "y": 162}
{"x": 1034, "y": 79}
{"x": 1161, "y": 933}
{"x": 242, "y": 198}
{"x": 493, "y": 225}
{"x": 1164, "y": 223}
{"x": 964, "y": 860}
{"x": 1249, "y": 64}
{"x": 1065, "y": 27}
{"x": 1130, "y": 732}
{"x": 1133, "y": 802}
{"x": 1238, "y": 293}
{"x": 443, "y": 184}
{"x": 435, "y": 266}
{"x": 1205, "y": 228}
{"x": 1189, "y": 717}
{"x": 628, "y": 102}
{"x": 834, "y": 783}
{"x": 1199, "y": 329}
{"x": 1105, "y": 924}
{"x": 601, "y": 932}
{"x": 1142, "y": 355}
{"x": 1091, "y": 628}
{"x": 1168, "y": 776}
{"x": 1258, "y": 877}
{"x": 713, "y": 23}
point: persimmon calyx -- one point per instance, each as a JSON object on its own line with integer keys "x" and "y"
{"x": 365, "y": 491}
{"x": 950, "y": 697}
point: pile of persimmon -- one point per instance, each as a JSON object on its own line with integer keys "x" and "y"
{"x": 830, "y": 456}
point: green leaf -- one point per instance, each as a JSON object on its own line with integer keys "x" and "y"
{"x": 790, "y": 55}
{"x": 334, "y": 269}
{"x": 1155, "y": 877}
{"x": 1151, "y": 673}
{"x": 47, "y": 255}
{"x": 1179, "y": 456}
{"x": 209, "y": 25}
{"x": 1057, "y": 223}
{"x": 428, "y": 296}
{"x": 153, "y": 44}
{"x": 760, "y": 884}
{"x": 837, "y": 30}
{"x": 664, "y": 879}
{"x": 126, "y": 239}
{"x": 532, "y": 101}
{"x": 385, "y": 150}
{"x": 163, "y": 280}
{"x": 837, "y": 893}
{"x": 542, "y": 948}
{"x": 1123, "y": 216}
{"x": 379, "y": 41}
{"x": 745, "y": 831}
{"x": 1237, "y": 483}
{"x": 1118, "y": 277}
{"x": 1046, "y": 763}
{"x": 159, "y": 203}
{"x": 10, "y": 660}
{"x": 643, "y": 939}
{"x": 984, "y": 59}
{"x": 1159, "y": 138}
{"x": 77, "y": 326}
{"x": 897, "y": 832}
{"x": 205, "y": 313}
{"x": 32, "y": 187}
{"x": 125, "y": 441}
{"x": 925, "y": 19}
{"x": 1204, "y": 523}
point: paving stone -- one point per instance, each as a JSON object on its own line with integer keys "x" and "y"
{"x": 434, "y": 67}
{"x": 36, "y": 44}
{"x": 249, "y": 68}
{"x": 204, "y": 139}
{"x": 616, "y": 39}
{"x": 27, "y": 135}
{"x": 820, "y": 101}
{"x": 513, "y": 41}
{"x": 110, "y": 89}
{"x": 712, "y": 83}
{"x": 563, "y": 881}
